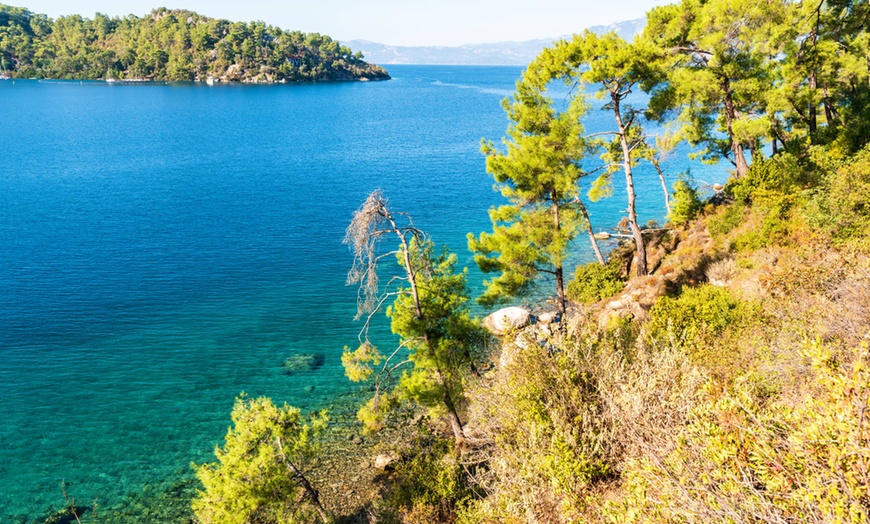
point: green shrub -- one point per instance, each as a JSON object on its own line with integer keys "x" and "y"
{"x": 776, "y": 224}
{"x": 258, "y": 476}
{"x": 593, "y": 282}
{"x": 697, "y": 319}
{"x": 727, "y": 220}
{"x": 838, "y": 207}
{"x": 686, "y": 203}
{"x": 430, "y": 486}
{"x": 769, "y": 180}
{"x": 548, "y": 443}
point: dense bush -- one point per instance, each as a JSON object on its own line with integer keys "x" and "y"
{"x": 593, "y": 282}
{"x": 697, "y": 319}
{"x": 740, "y": 461}
{"x": 726, "y": 220}
{"x": 770, "y": 180}
{"x": 259, "y": 477}
{"x": 431, "y": 485}
{"x": 686, "y": 203}
{"x": 838, "y": 206}
{"x": 541, "y": 434}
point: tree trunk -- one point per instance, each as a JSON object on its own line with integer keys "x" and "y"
{"x": 557, "y": 269}
{"x": 658, "y": 167}
{"x": 452, "y": 414}
{"x": 753, "y": 151}
{"x": 310, "y": 492}
{"x": 730, "y": 117}
{"x": 592, "y": 238}
{"x": 832, "y": 116}
{"x": 813, "y": 118}
{"x": 629, "y": 188}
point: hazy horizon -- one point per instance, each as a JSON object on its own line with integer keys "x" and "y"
{"x": 449, "y": 23}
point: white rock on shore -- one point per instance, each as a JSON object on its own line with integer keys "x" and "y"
{"x": 507, "y": 319}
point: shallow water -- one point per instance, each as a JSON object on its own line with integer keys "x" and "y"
{"x": 164, "y": 248}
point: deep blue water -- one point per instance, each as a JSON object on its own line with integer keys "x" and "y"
{"x": 164, "y": 248}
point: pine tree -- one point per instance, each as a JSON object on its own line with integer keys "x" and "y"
{"x": 259, "y": 475}
{"x": 429, "y": 313}
{"x": 539, "y": 175}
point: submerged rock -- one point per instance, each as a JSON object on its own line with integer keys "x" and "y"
{"x": 301, "y": 362}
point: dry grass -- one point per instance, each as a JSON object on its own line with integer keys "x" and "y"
{"x": 721, "y": 272}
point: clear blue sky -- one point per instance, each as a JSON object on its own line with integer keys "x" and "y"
{"x": 394, "y": 22}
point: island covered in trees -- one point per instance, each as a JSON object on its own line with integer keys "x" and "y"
{"x": 170, "y": 45}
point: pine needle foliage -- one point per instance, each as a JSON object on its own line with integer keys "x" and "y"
{"x": 258, "y": 477}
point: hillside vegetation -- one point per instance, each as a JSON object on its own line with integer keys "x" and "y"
{"x": 715, "y": 370}
{"x": 170, "y": 45}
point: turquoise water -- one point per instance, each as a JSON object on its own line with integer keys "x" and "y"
{"x": 164, "y": 248}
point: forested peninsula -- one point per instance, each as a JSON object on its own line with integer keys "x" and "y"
{"x": 170, "y": 45}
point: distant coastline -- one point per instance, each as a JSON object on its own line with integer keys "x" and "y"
{"x": 496, "y": 54}
{"x": 171, "y": 45}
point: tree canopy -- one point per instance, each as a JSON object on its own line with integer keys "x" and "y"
{"x": 258, "y": 476}
{"x": 538, "y": 173}
{"x": 429, "y": 312}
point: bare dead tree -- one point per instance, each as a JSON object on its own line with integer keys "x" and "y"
{"x": 372, "y": 223}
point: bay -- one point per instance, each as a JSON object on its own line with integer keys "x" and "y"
{"x": 165, "y": 247}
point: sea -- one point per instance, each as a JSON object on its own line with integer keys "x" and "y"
{"x": 164, "y": 248}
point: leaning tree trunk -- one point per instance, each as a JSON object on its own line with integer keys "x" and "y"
{"x": 658, "y": 167}
{"x": 560, "y": 277}
{"x": 592, "y": 238}
{"x": 452, "y": 413}
{"x": 813, "y": 118}
{"x": 309, "y": 492}
{"x": 730, "y": 117}
{"x": 629, "y": 188}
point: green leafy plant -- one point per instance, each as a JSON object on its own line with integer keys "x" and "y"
{"x": 430, "y": 485}
{"x": 259, "y": 475}
{"x": 726, "y": 220}
{"x": 697, "y": 319}
{"x": 593, "y": 282}
{"x": 686, "y": 203}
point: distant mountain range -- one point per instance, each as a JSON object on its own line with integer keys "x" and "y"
{"x": 501, "y": 53}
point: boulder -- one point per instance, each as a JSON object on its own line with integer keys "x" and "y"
{"x": 507, "y": 319}
{"x": 548, "y": 317}
{"x": 534, "y": 335}
{"x": 385, "y": 461}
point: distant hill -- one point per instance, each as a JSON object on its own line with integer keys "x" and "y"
{"x": 501, "y": 53}
{"x": 168, "y": 45}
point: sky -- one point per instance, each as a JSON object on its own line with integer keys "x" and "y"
{"x": 391, "y": 22}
